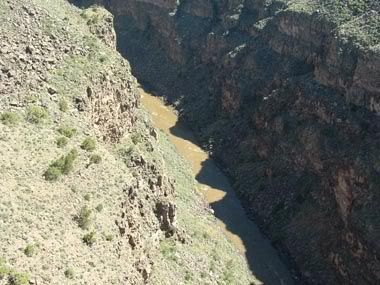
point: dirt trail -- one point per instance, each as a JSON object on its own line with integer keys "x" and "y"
{"x": 263, "y": 260}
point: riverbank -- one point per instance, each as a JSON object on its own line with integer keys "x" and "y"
{"x": 263, "y": 260}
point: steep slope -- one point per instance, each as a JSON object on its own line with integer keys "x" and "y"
{"x": 285, "y": 94}
{"x": 90, "y": 192}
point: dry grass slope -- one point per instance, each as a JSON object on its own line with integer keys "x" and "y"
{"x": 73, "y": 210}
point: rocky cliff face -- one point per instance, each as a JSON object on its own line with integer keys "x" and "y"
{"x": 285, "y": 94}
{"x": 90, "y": 192}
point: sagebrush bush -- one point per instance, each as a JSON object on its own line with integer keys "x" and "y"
{"x": 136, "y": 138}
{"x": 126, "y": 153}
{"x": 89, "y": 238}
{"x": 61, "y": 166}
{"x": 36, "y": 115}
{"x": 9, "y": 118}
{"x": 69, "y": 273}
{"x": 12, "y": 276}
{"x": 29, "y": 250}
{"x": 99, "y": 208}
{"x": 52, "y": 173}
{"x": 95, "y": 159}
{"x": 84, "y": 218}
{"x": 87, "y": 197}
{"x": 88, "y": 144}
{"x": 16, "y": 278}
{"x": 63, "y": 105}
{"x": 67, "y": 131}
{"x": 62, "y": 142}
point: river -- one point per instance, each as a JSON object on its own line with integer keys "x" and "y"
{"x": 262, "y": 258}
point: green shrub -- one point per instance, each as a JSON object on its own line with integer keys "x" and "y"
{"x": 103, "y": 59}
{"x": 30, "y": 250}
{"x": 36, "y": 115}
{"x": 63, "y": 105}
{"x": 62, "y": 142}
{"x": 99, "y": 208}
{"x": 61, "y": 166}
{"x": 4, "y": 270}
{"x": 89, "y": 238}
{"x": 87, "y": 197}
{"x": 16, "y": 278}
{"x": 125, "y": 153}
{"x": 9, "y": 118}
{"x": 52, "y": 173}
{"x": 168, "y": 249}
{"x": 188, "y": 276}
{"x": 67, "y": 131}
{"x": 69, "y": 273}
{"x": 228, "y": 275}
{"x": 88, "y": 144}
{"x": 84, "y": 218}
{"x": 95, "y": 159}
{"x": 31, "y": 99}
{"x": 109, "y": 237}
{"x": 136, "y": 138}
{"x": 13, "y": 277}
{"x": 84, "y": 15}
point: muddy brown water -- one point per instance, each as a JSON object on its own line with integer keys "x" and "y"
{"x": 262, "y": 258}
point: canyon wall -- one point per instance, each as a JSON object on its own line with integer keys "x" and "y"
{"x": 286, "y": 96}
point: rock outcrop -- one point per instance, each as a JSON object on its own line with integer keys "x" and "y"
{"x": 285, "y": 94}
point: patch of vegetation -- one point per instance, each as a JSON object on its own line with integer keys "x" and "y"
{"x": 87, "y": 197}
{"x": 125, "y": 153}
{"x": 62, "y": 142}
{"x": 188, "y": 276}
{"x": 84, "y": 218}
{"x": 90, "y": 238}
{"x": 136, "y": 138}
{"x": 228, "y": 276}
{"x": 13, "y": 277}
{"x": 36, "y": 115}
{"x": 31, "y": 99}
{"x": 67, "y": 131}
{"x": 30, "y": 250}
{"x": 109, "y": 237}
{"x": 99, "y": 208}
{"x": 52, "y": 174}
{"x": 88, "y": 144}
{"x": 4, "y": 270}
{"x": 9, "y": 118}
{"x": 63, "y": 105}
{"x": 103, "y": 59}
{"x": 16, "y": 278}
{"x": 168, "y": 249}
{"x": 69, "y": 273}
{"x": 95, "y": 159}
{"x": 93, "y": 15}
{"x": 64, "y": 165}
{"x": 357, "y": 6}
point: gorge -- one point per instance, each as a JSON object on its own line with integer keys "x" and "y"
{"x": 285, "y": 96}
{"x": 189, "y": 142}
